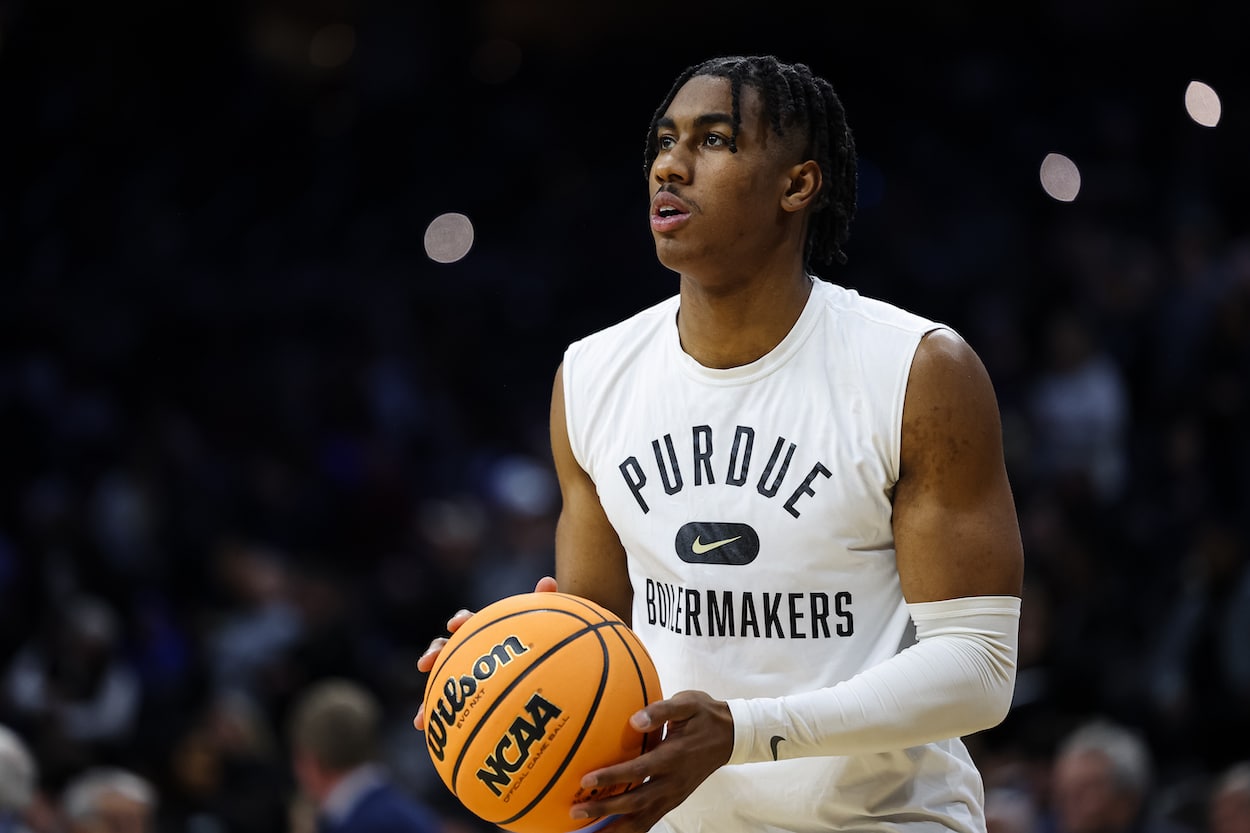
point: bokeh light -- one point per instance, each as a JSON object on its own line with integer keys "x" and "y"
{"x": 1202, "y": 103}
{"x": 448, "y": 237}
{"x": 1061, "y": 179}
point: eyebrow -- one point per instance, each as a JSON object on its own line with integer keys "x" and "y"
{"x": 699, "y": 121}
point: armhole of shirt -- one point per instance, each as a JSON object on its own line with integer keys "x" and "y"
{"x": 570, "y": 420}
{"x": 900, "y": 400}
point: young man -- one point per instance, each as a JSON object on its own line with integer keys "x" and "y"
{"x": 794, "y": 494}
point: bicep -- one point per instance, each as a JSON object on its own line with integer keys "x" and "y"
{"x": 956, "y": 532}
{"x": 590, "y": 560}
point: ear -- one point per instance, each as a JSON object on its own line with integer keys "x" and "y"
{"x": 804, "y": 184}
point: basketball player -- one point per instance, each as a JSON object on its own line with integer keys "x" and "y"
{"x": 796, "y": 495}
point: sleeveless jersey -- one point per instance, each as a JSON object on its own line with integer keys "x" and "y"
{"x": 754, "y": 505}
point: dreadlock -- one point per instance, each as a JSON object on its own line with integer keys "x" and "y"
{"x": 792, "y": 97}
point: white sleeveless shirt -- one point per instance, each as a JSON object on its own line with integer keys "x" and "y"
{"x": 754, "y": 505}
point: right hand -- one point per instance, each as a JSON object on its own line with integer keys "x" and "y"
{"x": 546, "y": 584}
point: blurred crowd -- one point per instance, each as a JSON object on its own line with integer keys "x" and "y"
{"x": 253, "y": 439}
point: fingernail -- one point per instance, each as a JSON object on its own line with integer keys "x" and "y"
{"x": 578, "y": 813}
{"x": 640, "y": 721}
{"x": 589, "y": 782}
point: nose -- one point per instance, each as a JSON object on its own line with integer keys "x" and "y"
{"x": 671, "y": 165}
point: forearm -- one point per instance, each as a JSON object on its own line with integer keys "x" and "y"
{"x": 957, "y": 679}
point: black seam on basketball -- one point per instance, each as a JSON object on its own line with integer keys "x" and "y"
{"x": 481, "y": 719}
{"x": 623, "y": 633}
{"x": 444, "y": 657}
{"x": 593, "y": 607}
{"x": 581, "y": 735}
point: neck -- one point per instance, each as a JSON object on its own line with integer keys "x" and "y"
{"x": 724, "y": 326}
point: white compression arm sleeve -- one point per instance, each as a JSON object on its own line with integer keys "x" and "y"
{"x": 957, "y": 679}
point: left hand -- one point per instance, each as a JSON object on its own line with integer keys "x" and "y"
{"x": 698, "y": 742}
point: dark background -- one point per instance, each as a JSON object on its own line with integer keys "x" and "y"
{"x": 243, "y": 411}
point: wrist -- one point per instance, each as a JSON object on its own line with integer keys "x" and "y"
{"x": 744, "y": 731}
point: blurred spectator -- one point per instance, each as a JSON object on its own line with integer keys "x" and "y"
{"x": 1200, "y": 681}
{"x": 334, "y": 736}
{"x": 249, "y": 640}
{"x": 521, "y": 546}
{"x": 412, "y": 590}
{"x": 18, "y": 776}
{"x": 71, "y": 687}
{"x": 109, "y": 800}
{"x": 227, "y": 770}
{"x": 1101, "y": 783}
{"x": 1229, "y": 810}
{"x": 1079, "y": 408}
{"x": 1010, "y": 810}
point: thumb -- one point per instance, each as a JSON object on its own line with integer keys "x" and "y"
{"x": 546, "y": 584}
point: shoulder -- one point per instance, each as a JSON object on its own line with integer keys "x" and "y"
{"x": 641, "y": 323}
{"x": 595, "y": 360}
{"x": 389, "y": 808}
{"x": 951, "y": 408}
{"x": 946, "y": 361}
{"x": 873, "y": 313}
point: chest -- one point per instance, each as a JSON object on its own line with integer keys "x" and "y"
{"x": 794, "y": 469}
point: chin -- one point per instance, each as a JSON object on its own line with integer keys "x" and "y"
{"x": 673, "y": 255}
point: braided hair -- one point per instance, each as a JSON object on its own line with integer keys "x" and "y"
{"x": 792, "y": 97}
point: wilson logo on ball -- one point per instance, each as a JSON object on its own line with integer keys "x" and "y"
{"x": 457, "y": 692}
{"x": 496, "y": 771}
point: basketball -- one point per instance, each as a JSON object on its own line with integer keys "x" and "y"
{"x": 530, "y": 694}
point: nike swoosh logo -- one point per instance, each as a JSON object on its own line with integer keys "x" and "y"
{"x": 776, "y": 739}
{"x": 698, "y": 547}
{"x": 716, "y": 542}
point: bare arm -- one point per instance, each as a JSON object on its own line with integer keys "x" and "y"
{"x": 590, "y": 561}
{"x": 955, "y": 528}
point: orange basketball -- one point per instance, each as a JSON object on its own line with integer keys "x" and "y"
{"x": 529, "y": 695}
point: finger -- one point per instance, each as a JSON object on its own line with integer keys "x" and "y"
{"x": 418, "y": 722}
{"x": 633, "y": 771}
{"x": 460, "y": 617}
{"x": 600, "y": 825}
{"x": 623, "y": 805}
{"x": 426, "y": 661}
{"x": 656, "y": 714}
{"x": 546, "y": 584}
{"x": 646, "y": 720}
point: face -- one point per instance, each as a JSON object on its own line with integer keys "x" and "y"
{"x": 713, "y": 211}
{"x": 1230, "y": 811}
{"x": 1086, "y": 797}
{"x": 118, "y": 813}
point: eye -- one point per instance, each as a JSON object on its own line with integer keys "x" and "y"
{"x": 665, "y": 142}
{"x": 715, "y": 140}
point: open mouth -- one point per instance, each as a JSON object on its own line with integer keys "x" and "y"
{"x": 668, "y": 211}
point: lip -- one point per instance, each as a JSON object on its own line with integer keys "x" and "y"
{"x": 663, "y": 200}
